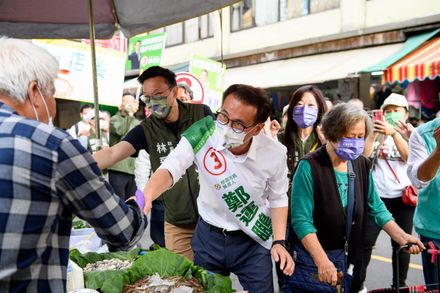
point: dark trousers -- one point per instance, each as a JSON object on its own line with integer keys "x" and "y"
{"x": 238, "y": 254}
{"x": 157, "y": 223}
{"x": 430, "y": 270}
{"x": 403, "y": 215}
{"x": 123, "y": 183}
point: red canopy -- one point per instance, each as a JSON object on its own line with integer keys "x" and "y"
{"x": 420, "y": 64}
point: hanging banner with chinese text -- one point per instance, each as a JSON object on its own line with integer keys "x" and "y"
{"x": 75, "y": 81}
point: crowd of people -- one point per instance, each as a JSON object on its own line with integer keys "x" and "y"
{"x": 233, "y": 190}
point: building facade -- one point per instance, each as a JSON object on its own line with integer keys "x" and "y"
{"x": 282, "y": 44}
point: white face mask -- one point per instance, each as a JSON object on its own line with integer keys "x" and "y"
{"x": 231, "y": 139}
{"x": 50, "y": 120}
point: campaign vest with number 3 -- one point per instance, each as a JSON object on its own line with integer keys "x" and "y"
{"x": 239, "y": 198}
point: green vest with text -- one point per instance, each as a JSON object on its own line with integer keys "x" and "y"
{"x": 180, "y": 201}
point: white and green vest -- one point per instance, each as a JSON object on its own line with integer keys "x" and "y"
{"x": 220, "y": 171}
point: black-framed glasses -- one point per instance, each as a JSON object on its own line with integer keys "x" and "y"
{"x": 237, "y": 126}
{"x": 157, "y": 97}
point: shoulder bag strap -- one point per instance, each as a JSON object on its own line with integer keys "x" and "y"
{"x": 392, "y": 170}
{"x": 351, "y": 201}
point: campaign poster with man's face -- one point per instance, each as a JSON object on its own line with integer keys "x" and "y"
{"x": 145, "y": 51}
{"x": 211, "y": 75}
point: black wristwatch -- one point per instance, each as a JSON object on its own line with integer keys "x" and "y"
{"x": 283, "y": 243}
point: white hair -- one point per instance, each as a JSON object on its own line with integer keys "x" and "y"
{"x": 22, "y": 62}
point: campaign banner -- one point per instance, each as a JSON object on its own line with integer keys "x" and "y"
{"x": 145, "y": 51}
{"x": 75, "y": 81}
{"x": 117, "y": 42}
{"x": 211, "y": 75}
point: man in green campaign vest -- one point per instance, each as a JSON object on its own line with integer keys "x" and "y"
{"x": 424, "y": 173}
{"x": 158, "y": 135}
{"x": 243, "y": 185}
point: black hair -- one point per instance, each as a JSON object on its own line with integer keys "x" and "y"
{"x": 85, "y": 106}
{"x": 155, "y": 71}
{"x": 253, "y": 96}
{"x": 292, "y": 127}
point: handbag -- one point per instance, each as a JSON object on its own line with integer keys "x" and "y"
{"x": 305, "y": 277}
{"x": 409, "y": 193}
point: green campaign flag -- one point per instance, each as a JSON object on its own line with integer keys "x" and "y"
{"x": 145, "y": 51}
{"x": 211, "y": 75}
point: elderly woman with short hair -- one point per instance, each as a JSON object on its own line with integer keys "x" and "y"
{"x": 320, "y": 193}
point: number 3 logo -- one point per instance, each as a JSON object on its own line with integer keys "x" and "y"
{"x": 214, "y": 162}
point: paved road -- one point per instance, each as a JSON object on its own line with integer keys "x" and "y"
{"x": 379, "y": 273}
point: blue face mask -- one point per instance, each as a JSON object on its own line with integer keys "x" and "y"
{"x": 350, "y": 148}
{"x": 304, "y": 116}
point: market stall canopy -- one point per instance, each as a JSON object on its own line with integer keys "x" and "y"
{"x": 420, "y": 64}
{"x": 411, "y": 44}
{"x": 68, "y": 19}
{"x": 308, "y": 69}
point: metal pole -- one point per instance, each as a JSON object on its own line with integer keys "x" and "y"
{"x": 94, "y": 76}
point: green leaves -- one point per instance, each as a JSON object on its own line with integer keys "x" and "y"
{"x": 83, "y": 259}
{"x": 162, "y": 261}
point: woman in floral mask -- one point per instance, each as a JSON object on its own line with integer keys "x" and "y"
{"x": 388, "y": 148}
{"x": 332, "y": 196}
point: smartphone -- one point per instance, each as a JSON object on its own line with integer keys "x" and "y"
{"x": 377, "y": 115}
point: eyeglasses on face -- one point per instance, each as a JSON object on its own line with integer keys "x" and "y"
{"x": 237, "y": 126}
{"x": 147, "y": 99}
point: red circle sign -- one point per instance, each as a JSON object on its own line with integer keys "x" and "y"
{"x": 195, "y": 85}
{"x": 214, "y": 162}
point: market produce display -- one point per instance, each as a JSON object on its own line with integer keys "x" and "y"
{"x": 156, "y": 284}
{"x": 79, "y": 224}
{"x": 108, "y": 264}
{"x": 177, "y": 274}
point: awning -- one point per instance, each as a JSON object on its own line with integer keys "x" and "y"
{"x": 420, "y": 64}
{"x": 410, "y": 45}
{"x": 50, "y": 19}
{"x": 308, "y": 69}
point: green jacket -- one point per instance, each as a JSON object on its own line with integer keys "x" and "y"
{"x": 426, "y": 216}
{"x": 180, "y": 202}
{"x": 120, "y": 125}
